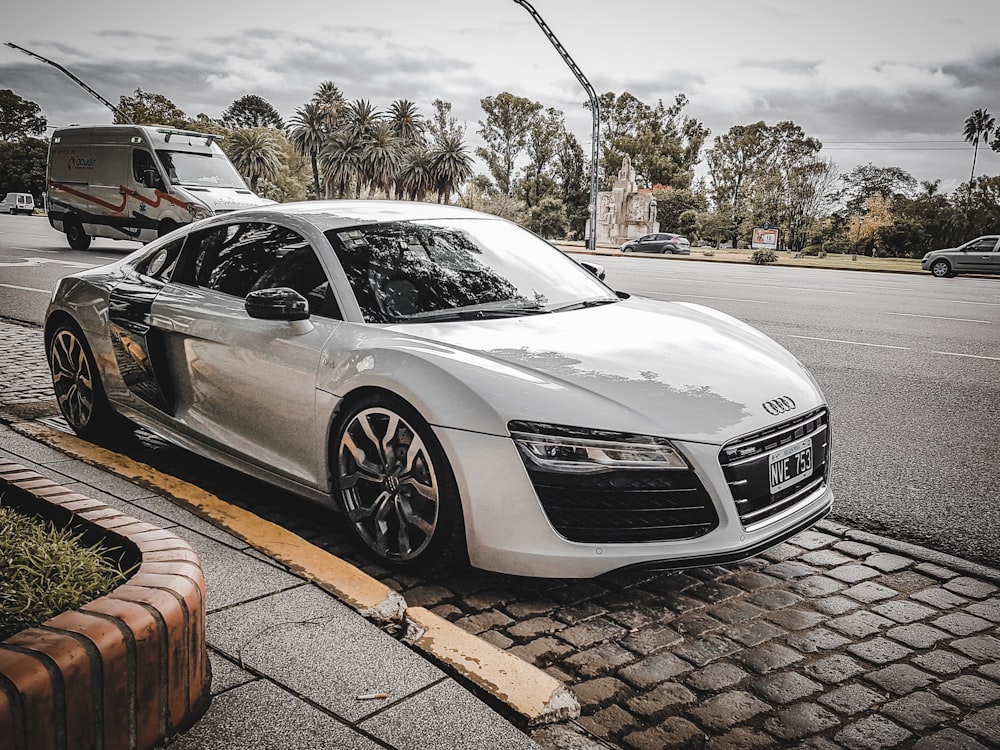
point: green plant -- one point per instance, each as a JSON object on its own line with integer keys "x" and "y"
{"x": 762, "y": 256}
{"x": 45, "y": 570}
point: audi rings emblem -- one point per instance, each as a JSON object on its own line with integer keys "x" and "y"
{"x": 779, "y": 405}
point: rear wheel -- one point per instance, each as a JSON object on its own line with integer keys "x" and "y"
{"x": 941, "y": 269}
{"x": 395, "y": 484}
{"x": 75, "y": 236}
{"x": 78, "y": 387}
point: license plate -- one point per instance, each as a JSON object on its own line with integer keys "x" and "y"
{"x": 788, "y": 465}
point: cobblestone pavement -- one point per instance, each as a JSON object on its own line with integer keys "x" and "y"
{"x": 835, "y": 639}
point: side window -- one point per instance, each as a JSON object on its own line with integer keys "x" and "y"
{"x": 160, "y": 264}
{"x": 237, "y": 259}
{"x": 142, "y": 161}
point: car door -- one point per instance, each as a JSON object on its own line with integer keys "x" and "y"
{"x": 991, "y": 260}
{"x": 244, "y": 385}
{"x": 974, "y": 256}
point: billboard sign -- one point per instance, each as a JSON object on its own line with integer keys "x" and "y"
{"x": 764, "y": 237}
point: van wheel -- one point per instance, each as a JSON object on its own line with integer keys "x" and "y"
{"x": 75, "y": 236}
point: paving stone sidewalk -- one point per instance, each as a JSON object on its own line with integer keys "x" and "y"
{"x": 835, "y": 639}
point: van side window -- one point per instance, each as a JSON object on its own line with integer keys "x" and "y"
{"x": 237, "y": 259}
{"x": 141, "y": 162}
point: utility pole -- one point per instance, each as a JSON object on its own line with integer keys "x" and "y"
{"x": 595, "y": 134}
{"x": 101, "y": 99}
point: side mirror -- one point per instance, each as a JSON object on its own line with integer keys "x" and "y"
{"x": 150, "y": 179}
{"x": 281, "y": 303}
{"x": 595, "y": 268}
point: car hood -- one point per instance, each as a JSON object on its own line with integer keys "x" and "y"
{"x": 672, "y": 369}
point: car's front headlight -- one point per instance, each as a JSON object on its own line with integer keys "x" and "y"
{"x": 574, "y": 450}
{"x": 198, "y": 211}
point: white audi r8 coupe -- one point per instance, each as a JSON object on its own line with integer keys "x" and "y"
{"x": 461, "y": 389}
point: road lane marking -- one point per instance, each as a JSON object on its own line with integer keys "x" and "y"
{"x": 726, "y": 299}
{"x": 26, "y": 288}
{"x": 939, "y": 317}
{"x": 970, "y": 356}
{"x": 853, "y": 343}
{"x": 889, "y": 346}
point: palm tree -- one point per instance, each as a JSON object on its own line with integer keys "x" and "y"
{"x": 381, "y": 157}
{"x": 415, "y": 177}
{"x": 451, "y": 165}
{"x": 361, "y": 116}
{"x": 978, "y": 127}
{"x": 256, "y": 153}
{"x": 330, "y": 99}
{"x": 406, "y": 121}
{"x": 307, "y": 133}
{"x": 340, "y": 161}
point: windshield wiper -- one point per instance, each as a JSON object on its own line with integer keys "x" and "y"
{"x": 585, "y": 303}
{"x": 476, "y": 314}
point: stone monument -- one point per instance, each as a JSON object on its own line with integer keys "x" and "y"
{"x": 624, "y": 213}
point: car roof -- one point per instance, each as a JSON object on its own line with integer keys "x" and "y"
{"x": 332, "y": 214}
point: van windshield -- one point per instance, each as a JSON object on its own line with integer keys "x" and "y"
{"x": 201, "y": 170}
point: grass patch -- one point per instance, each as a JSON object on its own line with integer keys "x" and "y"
{"x": 46, "y": 570}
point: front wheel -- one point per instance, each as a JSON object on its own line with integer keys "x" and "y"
{"x": 395, "y": 484}
{"x": 75, "y": 236}
{"x": 941, "y": 269}
{"x": 78, "y": 387}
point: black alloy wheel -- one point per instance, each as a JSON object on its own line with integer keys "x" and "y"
{"x": 395, "y": 485}
{"x": 78, "y": 387}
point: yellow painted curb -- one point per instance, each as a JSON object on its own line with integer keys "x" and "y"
{"x": 528, "y": 690}
{"x": 369, "y": 597}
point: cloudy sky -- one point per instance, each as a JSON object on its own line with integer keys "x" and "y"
{"x": 889, "y": 82}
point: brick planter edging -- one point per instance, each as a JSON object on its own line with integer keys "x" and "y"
{"x": 123, "y": 671}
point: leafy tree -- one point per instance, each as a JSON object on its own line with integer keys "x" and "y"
{"x": 548, "y": 218}
{"x": 978, "y": 127}
{"x": 672, "y": 203}
{"x": 506, "y": 131}
{"x": 19, "y": 118}
{"x": 545, "y": 133}
{"x": 572, "y": 183}
{"x": 150, "y": 108}
{"x": 866, "y": 181}
{"x": 736, "y": 158}
{"x": 662, "y": 142}
{"x": 22, "y": 166}
{"x": 292, "y": 179}
{"x": 256, "y": 153}
{"x": 443, "y": 123}
{"x": 252, "y": 111}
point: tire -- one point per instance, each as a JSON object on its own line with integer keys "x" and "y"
{"x": 377, "y": 489}
{"x": 941, "y": 269}
{"x": 78, "y": 387}
{"x": 75, "y": 236}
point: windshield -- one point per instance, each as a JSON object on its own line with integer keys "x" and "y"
{"x": 464, "y": 268}
{"x": 200, "y": 170}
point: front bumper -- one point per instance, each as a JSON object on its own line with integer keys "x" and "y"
{"x": 508, "y": 531}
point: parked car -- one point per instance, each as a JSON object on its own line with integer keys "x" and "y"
{"x": 661, "y": 242}
{"x": 981, "y": 255}
{"x": 454, "y": 384}
{"x": 17, "y": 203}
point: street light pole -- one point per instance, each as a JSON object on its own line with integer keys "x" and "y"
{"x": 596, "y": 129}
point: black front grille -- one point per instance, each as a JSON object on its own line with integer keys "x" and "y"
{"x": 745, "y": 463}
{"x": 625, "y": 506}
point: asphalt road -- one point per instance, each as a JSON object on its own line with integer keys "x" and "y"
{"x": 910, "y": 365}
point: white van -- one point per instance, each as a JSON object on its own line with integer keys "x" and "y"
{"x": 138, "y": 182}
{"x": 17, "y": 203}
